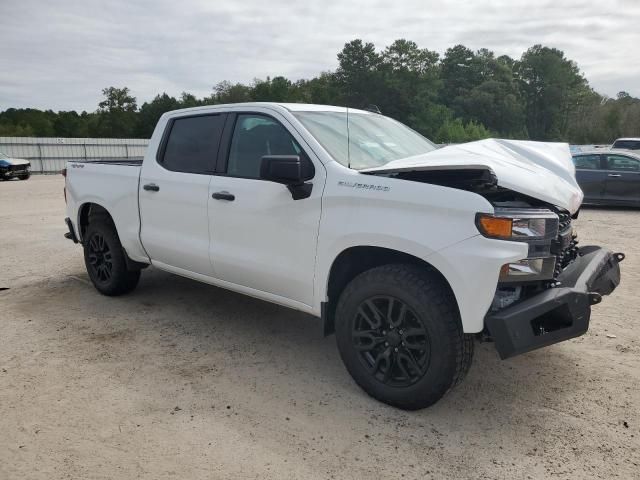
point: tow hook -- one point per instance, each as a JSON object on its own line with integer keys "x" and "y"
{"x": 594, "y": 298}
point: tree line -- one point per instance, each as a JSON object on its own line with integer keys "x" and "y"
{"x": 461, "y": 96}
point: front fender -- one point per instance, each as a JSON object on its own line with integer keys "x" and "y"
{"x": 433, "y": 223}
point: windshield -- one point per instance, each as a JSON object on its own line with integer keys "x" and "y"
{"x": 369, "y": 140}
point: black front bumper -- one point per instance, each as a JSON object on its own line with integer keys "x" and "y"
{"x": 558, "y": 313}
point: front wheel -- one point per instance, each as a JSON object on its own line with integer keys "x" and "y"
{"x": 25, "y": 177}
{"x": 105, "y": 261}
{"x": 399, "y": 335}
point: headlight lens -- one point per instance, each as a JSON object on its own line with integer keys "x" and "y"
{"x": 529, "y": 227}
{"x": 528, "y": 269}
{"x": 518, "y": 225}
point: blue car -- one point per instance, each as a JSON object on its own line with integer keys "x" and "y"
{"x": 14, "y": 168}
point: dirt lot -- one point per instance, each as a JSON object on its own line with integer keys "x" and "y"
{"x": 183, "y": 380}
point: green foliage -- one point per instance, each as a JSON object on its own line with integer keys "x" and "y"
{"x": 463, "y": 96}
{"x": 150, "y": 113}
{"x": 117, "y": 114}
{"x": 552, "y": 87}
{"x": 28, "y": 119}
{"x": 456, "y": 131}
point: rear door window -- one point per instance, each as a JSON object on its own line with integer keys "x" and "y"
{"x": 621, "y": 163}
{"x": 192, "y": 144}
{"x": 587, "y": 162}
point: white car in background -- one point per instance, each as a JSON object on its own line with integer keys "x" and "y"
{"x": 14, "y": 168}
{"x": 626, "y": 144}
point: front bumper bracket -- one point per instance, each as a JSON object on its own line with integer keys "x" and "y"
{"x": 558, "y": 313}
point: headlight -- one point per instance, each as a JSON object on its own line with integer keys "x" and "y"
{"x": 518, "y": 225}
{"x": 528, "y": 269}
{"x": 536, "y": 227}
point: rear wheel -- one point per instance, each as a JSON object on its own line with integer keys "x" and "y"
{"x": 105, "y": 261}
{"x": 399, "y": 334}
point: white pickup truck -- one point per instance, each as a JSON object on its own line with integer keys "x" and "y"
{"x": 406, "y": 251}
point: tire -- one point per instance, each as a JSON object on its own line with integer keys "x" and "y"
{"x": 105, "y": 261}
{"x": 25, "y": 177}
{"x": 403, "y": 317}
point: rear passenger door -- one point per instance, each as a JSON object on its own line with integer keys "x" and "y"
{"x": 590, "y": 176}
{"x": 623, "y": 179}
{"x": 174, "y": 192}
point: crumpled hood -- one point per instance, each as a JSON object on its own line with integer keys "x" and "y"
{"x": 538, "y": 169}
{"x": 13, "y": 161}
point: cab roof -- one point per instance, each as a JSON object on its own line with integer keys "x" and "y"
{"x": 291, "y": 107}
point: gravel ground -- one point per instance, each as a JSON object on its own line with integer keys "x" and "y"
{"x": 184, "y": 380}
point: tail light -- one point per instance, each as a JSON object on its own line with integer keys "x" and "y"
{"x": 64, "y": 174}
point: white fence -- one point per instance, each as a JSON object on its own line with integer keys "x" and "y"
{"x": 49, "y": 155}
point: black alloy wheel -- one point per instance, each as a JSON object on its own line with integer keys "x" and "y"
{"x": 400, "y": 335}
{"x": 100, "y": 257}
{"x": 392, "y": 341}
{"x": 105, "y": 259}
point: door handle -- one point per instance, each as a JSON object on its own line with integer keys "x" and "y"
{"x": 151, "y": 187}
{"x": 613, "y": 175}
{"x": 224, "y": 196}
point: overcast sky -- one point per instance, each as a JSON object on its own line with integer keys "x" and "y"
{"x": 59, "y": 54}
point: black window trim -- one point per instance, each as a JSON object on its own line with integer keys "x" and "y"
{"x": 227, "y": 136}
{"x": 167, "y": 132}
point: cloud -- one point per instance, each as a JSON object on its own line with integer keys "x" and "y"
{"x": 60, "y": 54}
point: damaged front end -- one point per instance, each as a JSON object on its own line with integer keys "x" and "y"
{"x": 546, "y": 297}
{"x": 558, "y": 312}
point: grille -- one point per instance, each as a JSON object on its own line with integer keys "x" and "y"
{"x": 564, "y": 247}
{"x": 565, "y": 221}
{"x": 17, "y": 168}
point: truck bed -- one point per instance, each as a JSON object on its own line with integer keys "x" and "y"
{"x": 112, "y": 184}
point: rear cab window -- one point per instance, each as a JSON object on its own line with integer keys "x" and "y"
{"x": 191, "y": 143}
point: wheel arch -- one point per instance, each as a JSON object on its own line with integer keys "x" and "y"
{"x": 86, "y": 211}
{"x": 91, "y": 209}
{"x": 355, "y": 260}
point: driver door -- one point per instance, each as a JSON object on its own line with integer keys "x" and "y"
{"x": 261, "y": 238}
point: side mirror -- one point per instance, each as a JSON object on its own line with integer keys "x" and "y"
{"x": 285, "y": 169}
